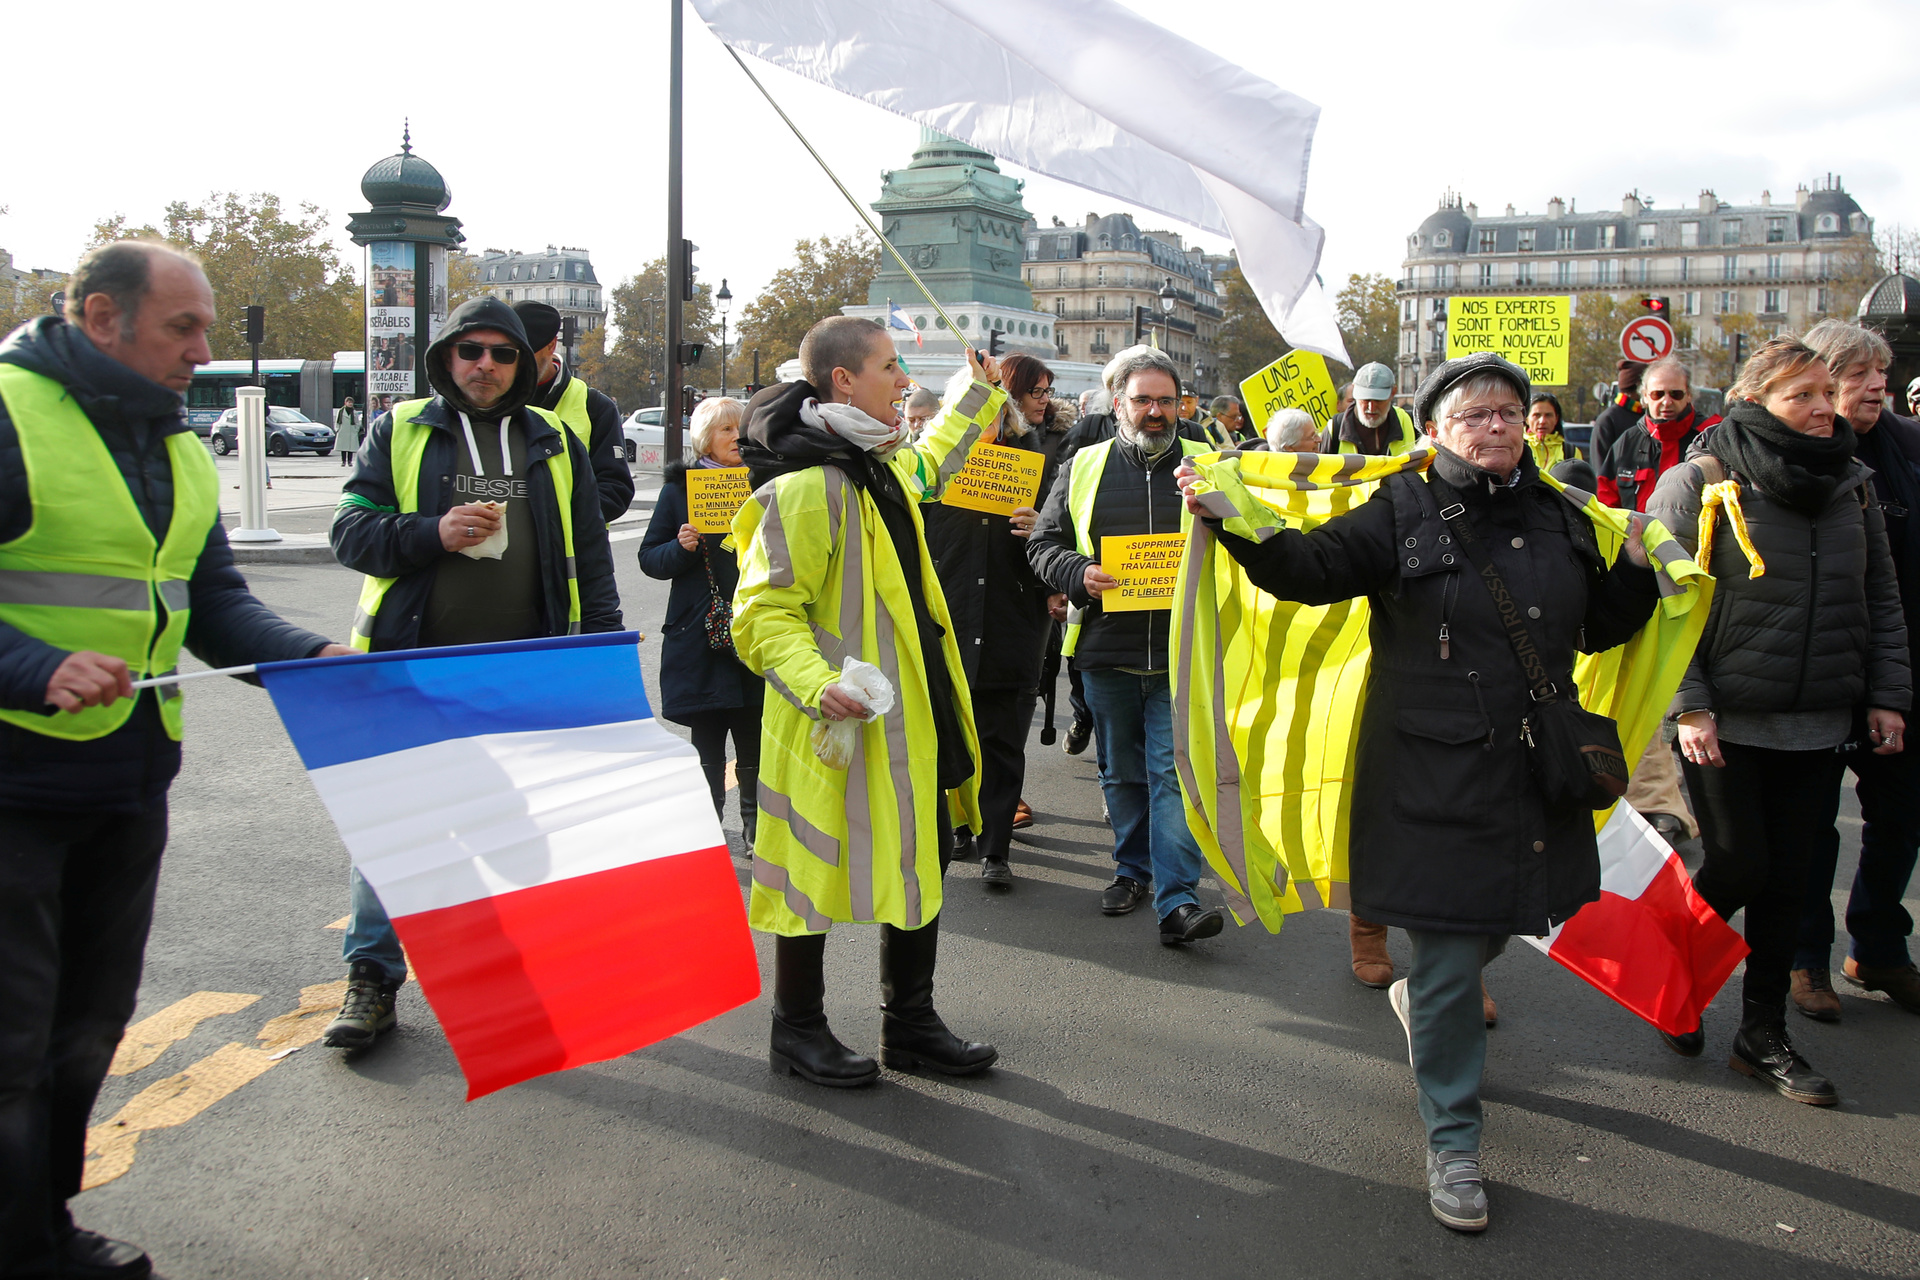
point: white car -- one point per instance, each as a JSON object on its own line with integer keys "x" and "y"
{"x": 646, "y": 438}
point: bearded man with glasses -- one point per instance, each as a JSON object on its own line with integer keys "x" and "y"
{"x": 476, "y": 518}
{"x": 1124, "y": 487}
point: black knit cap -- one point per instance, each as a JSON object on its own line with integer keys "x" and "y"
{"x": 1441, "y": 380}
{"x": 541, "y": 322}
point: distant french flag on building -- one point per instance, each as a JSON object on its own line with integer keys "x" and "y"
{"x": 898, "y": 319}
{"x": 1651, "y": 942}
{"x": 547, "y": 851}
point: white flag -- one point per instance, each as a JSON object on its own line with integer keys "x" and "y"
{"x": 1088, "y": 92}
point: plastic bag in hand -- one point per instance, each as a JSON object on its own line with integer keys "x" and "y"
{"x": 495, "y": 546}
{"x": 835, "y": 741}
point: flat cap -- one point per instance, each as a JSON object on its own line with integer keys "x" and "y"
{"x": 542, "y": 322}
{"x": 1427, "y": 399}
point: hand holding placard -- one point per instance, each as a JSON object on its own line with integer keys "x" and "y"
{"x": 715, "y": 495}
{"x": 1144, "y": 569}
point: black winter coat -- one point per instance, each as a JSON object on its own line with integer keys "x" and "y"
{"x": 1821, "y": 629}
{"x": 999, "y": 607}
{"x": 371, "y": 536}
{"x": 1610, "y": 424}
{"x": 133, "y": 765}
{"x": 1450, "y": 831}
{"x": 694, "y": 677}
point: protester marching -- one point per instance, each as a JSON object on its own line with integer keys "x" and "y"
{"x": 1441, "y": 642}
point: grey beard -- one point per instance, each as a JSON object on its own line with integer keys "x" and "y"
{"x": 1373, "y": 424}
{"x": 1145, "y": 441}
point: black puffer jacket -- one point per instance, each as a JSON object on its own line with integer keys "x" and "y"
{"x": 134, "y": 764}
{"x": 694, "y": 676}
{"x": 999, "y": 607}
{"x": 1450, "y": 831}
{"x": 1822, "y": 628}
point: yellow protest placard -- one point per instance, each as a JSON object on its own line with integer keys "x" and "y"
{"x": 714, "y": 496}
{"x": 997, "y": 479}
{"x": 1297, "y": 380}
{"x": 1145, "y": 566}
{"x": 1534, "y": 333}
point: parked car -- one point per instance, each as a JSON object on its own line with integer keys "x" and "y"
{"x": 645, "y": 437}
{"x": 288, "y": 431}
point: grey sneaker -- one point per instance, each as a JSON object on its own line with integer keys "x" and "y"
{"x": 1454, "y": 1191}
{"x": 366, "y": 1012}
{"x": 1403, "y": 1009}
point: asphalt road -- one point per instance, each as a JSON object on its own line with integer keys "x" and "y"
{"x": 1238, "y": 1108}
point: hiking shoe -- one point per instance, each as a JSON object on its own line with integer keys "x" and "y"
{"x": 1762, "y": 1051}
{"x": 1901, "y": 983}
{"x": 1403, "y": 1009}
{"x": 1122, "y": 896}
{"x": 1079, "y": 734}
{"x": 1813, "y": 995}
{"x": 1454, "y": 1190}
{"x": 366, "y": 1012}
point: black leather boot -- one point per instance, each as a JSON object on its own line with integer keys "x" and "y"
{"x": 803, "y": 1044}
{"x": 911, "y": 1033}
{"x": 1763, "y": 1051}
{"x": 748, "y": 782}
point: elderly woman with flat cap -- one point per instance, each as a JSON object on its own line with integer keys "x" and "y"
{"x": 1453, "y": 838}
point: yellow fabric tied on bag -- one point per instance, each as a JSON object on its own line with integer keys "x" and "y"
{"x": 1725, "y": 496}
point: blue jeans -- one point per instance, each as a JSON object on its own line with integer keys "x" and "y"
{"x": 1450, "y": 1032}
{"x": 1133, "y": 716}
{"x": 370, "y": 934}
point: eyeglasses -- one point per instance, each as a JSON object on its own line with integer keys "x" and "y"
{"x": 1668, "y": 395}
{"x": 474, "y": 350}
{"x": 1476, "y": 419}
{"x": 1142, "y": 403}
{"x": 1041, "y": 393}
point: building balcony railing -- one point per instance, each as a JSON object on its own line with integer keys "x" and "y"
{"x": 1704, "y": 278}
{"x": 1100, "y": 349}
{"x": 1119, "y": 316}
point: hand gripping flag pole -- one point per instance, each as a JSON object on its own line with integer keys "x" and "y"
{"x": 857, "y": 206}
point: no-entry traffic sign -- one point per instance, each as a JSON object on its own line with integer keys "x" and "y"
{"x": 1647, "y": 339}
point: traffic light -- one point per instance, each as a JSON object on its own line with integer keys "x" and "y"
{"x": 690, "y": 352}
{"x": 255, "y": 322}
{"x": 1657, "y": 306}
{"x": 688, "y": 248}
{"x": 993, "y": 342}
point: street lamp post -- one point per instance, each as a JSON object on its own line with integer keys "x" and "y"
{"x": 725, "y": 299}
{"x": 1166, "y": 313}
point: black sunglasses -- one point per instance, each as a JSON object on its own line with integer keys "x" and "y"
{"x": 474, "y": 350}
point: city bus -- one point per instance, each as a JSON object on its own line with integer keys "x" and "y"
{"x": 315, "y": 387}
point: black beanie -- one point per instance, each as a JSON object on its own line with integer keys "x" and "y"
{"x": 541, "y": 322}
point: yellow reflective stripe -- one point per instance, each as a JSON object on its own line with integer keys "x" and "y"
{"x": 1715, "y": 498}
{"x": 811, "y": 838}
{"x": 773, "y": 877}
{"x": 780, "y": 687}
{"x": 899, "y": 770}
{"x": 74, "y": 590}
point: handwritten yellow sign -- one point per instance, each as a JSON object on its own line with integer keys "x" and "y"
{"x": 997, "y": 479}
{"x": 1534, "y": 333}
{"x": 1145, "y": 566}
{"x": 714, "y": 496}
{"x": 1297, "y": 380}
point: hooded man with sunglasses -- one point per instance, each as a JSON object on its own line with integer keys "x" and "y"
{"x": 436, "y": 482}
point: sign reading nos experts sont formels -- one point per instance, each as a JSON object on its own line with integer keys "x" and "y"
{"x": 1534, "y": 333}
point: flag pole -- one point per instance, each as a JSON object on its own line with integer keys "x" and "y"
{"x": 177, "y": 676}
{"x": 857, "y": 206}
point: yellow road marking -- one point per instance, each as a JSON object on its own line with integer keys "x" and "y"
{"x": 148, "y": 1038}
{"x": 303, "y": 1026}
{"x": 341, "y": 923}
{"x": 732, "y": 781}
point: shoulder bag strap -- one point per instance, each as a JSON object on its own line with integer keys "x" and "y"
{"x": 1519, "y": 635}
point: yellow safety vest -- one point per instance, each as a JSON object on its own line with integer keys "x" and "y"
{"x": 572, "y": 410}
{"x": 1549, "y": 451}
{"x": 405, "y": 448}
{"x": 89, "y": 574}
{"x": 820, "y": 582}
{"x": 1082, "y": 488}
{"x": 1404, "y": 442}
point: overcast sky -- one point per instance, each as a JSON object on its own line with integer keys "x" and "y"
{"x": 549, "y": 121}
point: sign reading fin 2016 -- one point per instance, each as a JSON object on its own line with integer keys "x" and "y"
{"x": 1534, "y": 333}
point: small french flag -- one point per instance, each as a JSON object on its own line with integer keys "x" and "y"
{"x": 547, "y": 851}
{"x": 1651, "y": 942}
{"x": 898, "y": 320}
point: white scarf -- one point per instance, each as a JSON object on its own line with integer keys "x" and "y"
{"x": 855, "y": 426}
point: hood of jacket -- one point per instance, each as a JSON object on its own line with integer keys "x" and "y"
{"x": 776, "y": 441}
{"x": 107, "y": 391}
{"x": 483, "y": 313}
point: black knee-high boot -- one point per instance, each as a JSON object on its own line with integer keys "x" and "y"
{"x": 748, "y": 783}
{"x": 803, "y": 1044}
{"x": 911, "y": 1033}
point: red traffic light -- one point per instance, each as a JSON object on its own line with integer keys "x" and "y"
{"x": 1657, "y": 306}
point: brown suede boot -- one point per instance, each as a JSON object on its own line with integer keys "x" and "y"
{"x": 1371, "y": 964}
{"x": 1812, "y": 994}
{"x": 1488, "y": 1009}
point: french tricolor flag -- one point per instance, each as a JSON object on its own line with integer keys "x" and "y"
{"x": 547, "y": 851}
{"x": 1651, "y": 942}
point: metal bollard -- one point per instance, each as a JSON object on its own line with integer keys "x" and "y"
{"x": 251, "y": 403}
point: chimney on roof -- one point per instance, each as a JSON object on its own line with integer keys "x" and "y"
{"x": 1473, "y": 210}
{"x": 1092, "y": 218}
{"x": 1766, "y": 199}
{"x": 1708, "y": 201}
{"x": 1509, "y": 210}
{"x": 1630, "y": 204}
{"x": 1800, "y": 196}
{"x": 1556, "y": 207}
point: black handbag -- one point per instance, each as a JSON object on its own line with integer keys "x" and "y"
{"x": 1575, "y": 753}
{"x": 718, "y": 622}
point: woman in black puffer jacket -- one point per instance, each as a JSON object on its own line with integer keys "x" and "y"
{"x": 1785, "y": 659}
{"x": 704, "y": 688}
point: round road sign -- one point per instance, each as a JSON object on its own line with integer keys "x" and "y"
{"x": 1647, "y": 339}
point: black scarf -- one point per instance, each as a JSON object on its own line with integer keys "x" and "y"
{"x": 1798, "y": 471}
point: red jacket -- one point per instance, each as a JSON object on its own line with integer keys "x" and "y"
{"x": 1641, "y": 455}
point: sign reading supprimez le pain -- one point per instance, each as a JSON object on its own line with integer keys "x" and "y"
{"x": 1297, "y": 380}
{"x": 1146, "y": 567}
{"x": 1534, "y": 333}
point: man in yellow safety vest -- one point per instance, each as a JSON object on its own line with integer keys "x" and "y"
{"x": 589, "y": 414}
{"x": 476, "y": 520}
{"x": 112, "y": 559}
{"x": 1370, "y": 424}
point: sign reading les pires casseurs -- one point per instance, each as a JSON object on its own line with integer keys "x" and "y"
{"x": 1534, "y": 333}
{"x": 1146, "y": 566}
{"x": 996, "y": 479}
{"x": 1297, "y": 380}
{"x": 714, "y": 496}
